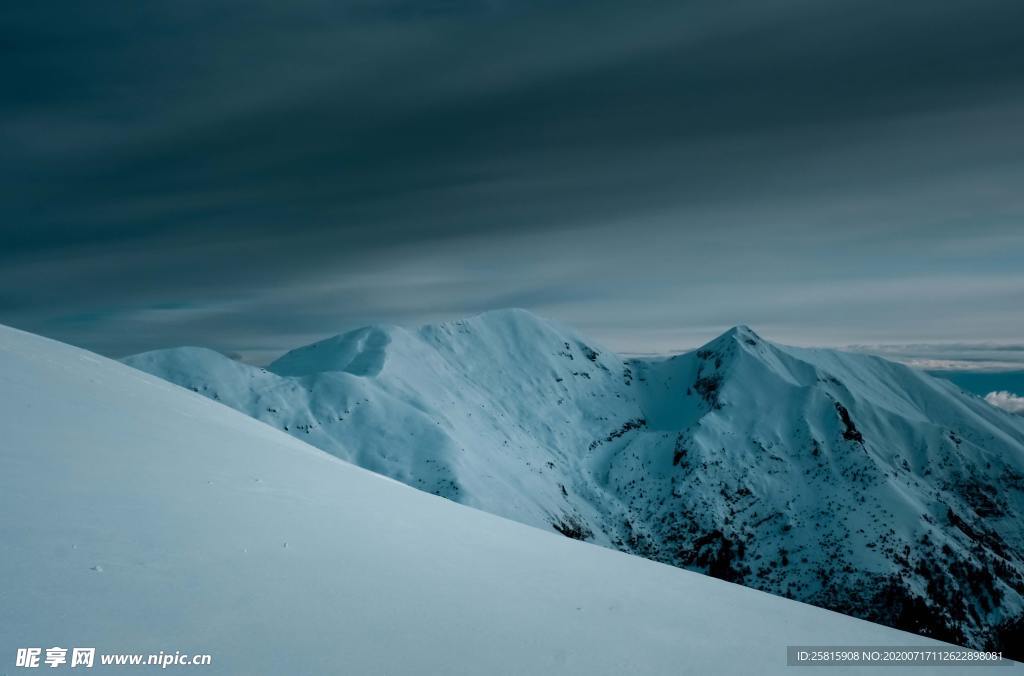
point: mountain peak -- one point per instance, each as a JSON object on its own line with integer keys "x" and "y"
{"x": 739, "y": 334}
{"x": 511, "y": 328}
{"x": 510, "y": 313}
{"x": 742, "y": 331}
{"x": 505, "y": 318}
{"x": 361, "y": 352}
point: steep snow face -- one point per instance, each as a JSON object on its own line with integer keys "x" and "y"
{"x": 843, "y": 480}
{"x": 490, "y": 412}
{"x": 139, "y": 518}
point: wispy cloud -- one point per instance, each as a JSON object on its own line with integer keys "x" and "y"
{"x": 974, "y": 357}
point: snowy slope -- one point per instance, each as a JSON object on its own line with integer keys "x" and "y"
{"x": 843, "y": 480}
{"x": 137, "y": 517}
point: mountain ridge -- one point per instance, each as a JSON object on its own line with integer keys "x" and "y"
{"x": 839, "y": 479}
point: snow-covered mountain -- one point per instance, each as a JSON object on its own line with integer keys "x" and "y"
{"x": 138, "y": 518}
{"x": 839, "y": 479}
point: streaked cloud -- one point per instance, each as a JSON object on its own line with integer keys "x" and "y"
{"x": 651, "y": 173}
{"x": 973, "y": 357}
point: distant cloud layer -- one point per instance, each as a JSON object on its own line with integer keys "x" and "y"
{"x": 973, "y": 357}
{"x": 252, "y": 177}
{"x": 1006, "y": 400}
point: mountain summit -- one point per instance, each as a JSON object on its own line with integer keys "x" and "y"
{"x": 842, "y": 480}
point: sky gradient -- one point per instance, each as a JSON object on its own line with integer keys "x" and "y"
{"x": 251, "y": 177}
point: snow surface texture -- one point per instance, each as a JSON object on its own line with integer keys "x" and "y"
{"x": 839, "y": 479}
{"x": 138, "y": 517}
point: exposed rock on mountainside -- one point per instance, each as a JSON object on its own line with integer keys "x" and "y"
{"x": 842, "y": 480}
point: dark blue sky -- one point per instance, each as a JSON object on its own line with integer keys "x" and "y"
{"x": 251, "y": 176}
